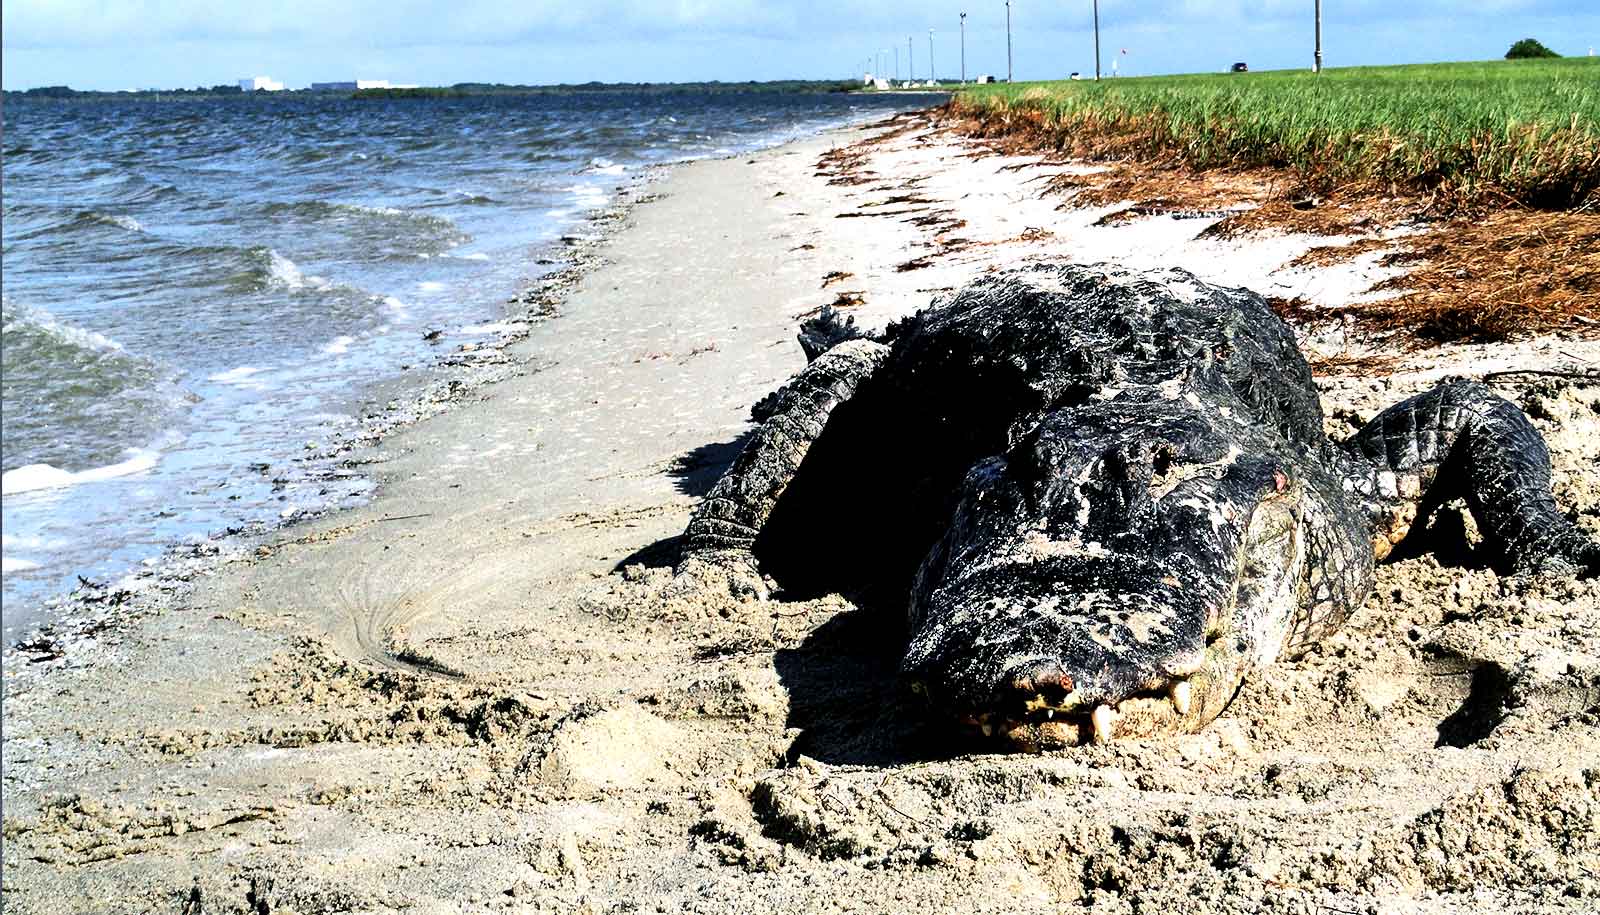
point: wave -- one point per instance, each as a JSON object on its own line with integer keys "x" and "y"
{"x": 82, "y": 221}
{"x": 17, "y": 320}
{"x": 238, "y": 375}
{"x": 76, "y": 394}
{"x": 588, "y": 195}
{"x": 264, "y": 268}
{"x": 32, "y": 477}
{"x": 284, "y": 272}
{"x": 336, "y": 211}
{"x": 600, "y": 165}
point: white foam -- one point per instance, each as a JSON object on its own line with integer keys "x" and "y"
{"x": 474, "y": 256}
{"x": 284, "y": 272}
{"x": 339, "y": 345}
{"x": 430, "y": 286}
{"x": 67, "y": 333}
{"x": 34, "y": 543}
{"x": 43, "y": 476}
{"x": 394, "y": 304}
{"x": 9, "y": 564}
{"x": 236, "y": 376}
{"x": 498, "y": 327}
{"x": 120, "y": 221}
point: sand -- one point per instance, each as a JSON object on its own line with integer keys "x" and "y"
{"x": 484, "y": 690}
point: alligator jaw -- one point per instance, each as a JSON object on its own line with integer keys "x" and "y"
{"x": 1066, "y": 722}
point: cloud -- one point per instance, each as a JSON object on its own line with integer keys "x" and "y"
{"x": 395, "y": 23}
{"x": 100, "y": 44}
{"x": 402, "y": 23}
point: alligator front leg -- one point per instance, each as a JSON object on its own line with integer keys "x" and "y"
{"x": 723, "y": 529}
{"x": 1461, "y": 439}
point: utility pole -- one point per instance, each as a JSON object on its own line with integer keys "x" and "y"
{"x": 1316, "y": 66}
{"x": 1097, "y": 39}
{"x": 933, "y": 75}
{"x": 911, "y": 61}
{"x": 963, "y": 49}
{"x": 897, "y": 63}
{"x": 1008, "y": 41}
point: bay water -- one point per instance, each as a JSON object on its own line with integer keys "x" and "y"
{"x": 193, "y": 290}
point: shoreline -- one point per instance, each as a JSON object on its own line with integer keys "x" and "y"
{"x": 315, "y": 480}
{"x": 479, "y": 690}
{"x": 82, "y": 613}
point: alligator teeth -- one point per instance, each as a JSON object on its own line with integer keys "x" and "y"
{"x": 1049, "y": 713}
{"x": 988, "y": 729}
{"x": 1181, "y": 696}
{"x": 1102, "y": 723}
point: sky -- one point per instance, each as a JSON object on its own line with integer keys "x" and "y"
{"x": 95, "y": 44}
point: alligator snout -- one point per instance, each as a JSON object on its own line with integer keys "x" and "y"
{"x": 1034, "y": 721}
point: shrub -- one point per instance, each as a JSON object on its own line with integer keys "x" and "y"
{"x": 1529, "y": 47}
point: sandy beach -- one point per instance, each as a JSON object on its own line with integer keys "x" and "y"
{"x": 484, "y": 691}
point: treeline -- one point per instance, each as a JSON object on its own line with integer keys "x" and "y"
{"x": 457, "y": 90}
{"x": 67, "y": 92}
{"x": 476, "y": 89}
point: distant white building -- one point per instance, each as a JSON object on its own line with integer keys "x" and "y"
{"x": 351, "y": 85}
{"x": 262, "y": 83}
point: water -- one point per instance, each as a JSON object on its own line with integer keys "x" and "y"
{"x": 195, "y": 289}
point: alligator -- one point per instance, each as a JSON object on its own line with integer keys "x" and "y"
{"x": 1106, "y": 497}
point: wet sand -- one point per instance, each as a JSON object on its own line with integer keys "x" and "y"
{"x": 483, "y": 691}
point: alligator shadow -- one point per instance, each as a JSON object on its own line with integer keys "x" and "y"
{"x": 662, "y": 554}
{"x": 693, "y": 474}
{"x": 847, "y": 699}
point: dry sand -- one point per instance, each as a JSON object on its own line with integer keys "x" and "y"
{"x": 483, "y": 691}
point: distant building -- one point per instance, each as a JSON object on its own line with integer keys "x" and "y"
{"x": 985, "y": 78}
{"x": 351, "y": 85}
{"x": 261, "y": 83}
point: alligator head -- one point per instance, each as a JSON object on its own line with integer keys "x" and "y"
{"x": 1116, "y": 573}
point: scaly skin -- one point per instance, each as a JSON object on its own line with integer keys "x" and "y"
{"x": 1107, "y": 498}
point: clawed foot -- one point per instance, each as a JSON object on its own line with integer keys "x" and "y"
{"x": 736, "y": 572}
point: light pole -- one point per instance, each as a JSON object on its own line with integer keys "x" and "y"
{"x": 911, "y": 61}
{"x": 1008, "y": 41}
{"x": 1316, "y": 66}
{"x": 933, "y": 75}
{"x": 897, "y": 63}
{"x": 963, "y": 49}
{"x": 1097, "y": 40}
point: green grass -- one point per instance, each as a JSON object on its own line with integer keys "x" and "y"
{"x": 1520, "y": 131}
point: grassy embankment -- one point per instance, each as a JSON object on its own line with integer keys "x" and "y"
{"x": 1494, "y": 140}
{"x": 1529, "y": 130}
